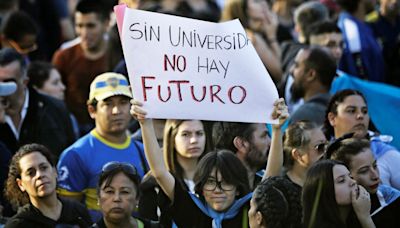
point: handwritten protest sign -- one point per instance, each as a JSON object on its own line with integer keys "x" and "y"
{"x": 182, "y": 68}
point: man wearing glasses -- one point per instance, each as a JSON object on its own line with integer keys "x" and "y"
{"x": 30, "y": 116}
{"x": 20, "y": 33}
{"x": 6, "y": 89}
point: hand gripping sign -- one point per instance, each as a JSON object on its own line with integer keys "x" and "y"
{"x": 183, "y": 68}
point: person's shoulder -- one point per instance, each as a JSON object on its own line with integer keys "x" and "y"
{"x": 43, "y": 100}
{"x": 74, "y": 207}
{"x": 81, "y": 145}
{"x": 70, "y": 48}
{"x": 17, "y": 222}
{"x": 76, "y": 212}
{"x": 26, "y": 217}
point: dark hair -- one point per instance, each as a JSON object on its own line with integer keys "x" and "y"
{"x": 348, "y": 148}
{"x": 350, "y": 6}
{"x": 336, "y": 99}
{"x": 321, "y": 60}
{"x": 230, "y": 167}
{"x": 93, "y": 102}
{"x": 224, "y": 133}
{"x": 278, "y": 200}
{"x": 296, "y": 136}
{"x": 319, "y": 196}
{"x": 308, "y": 13}
{"x": 17, "y": 25}
{"x": 9, "y": 55}
{"x": 108, "y": 176}
{"x": 12, "y": 192}
{"x": 38, "y": 73}
{"x": 6, "y": 5}
{"x": 93, "y": 6}
{"x": 322, "y": 27}
{"x": 170, "y": 131}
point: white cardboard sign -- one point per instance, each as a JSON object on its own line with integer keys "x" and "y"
{"x": 182, "y": 68}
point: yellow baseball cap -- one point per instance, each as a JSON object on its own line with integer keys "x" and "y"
{"x": 109, "y": 84}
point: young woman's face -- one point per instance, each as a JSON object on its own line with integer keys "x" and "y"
{"x": 53, "y": 86}
{"x": 38, "y": 177}
{"x": 190, "y": 139}
{"x": 315, "y": 149}
{"x": 352, "y": 116}
{"x": 217, "y": 198}
{"x": 119, "y": 199}
{"x": 344, "y": 185}
{"x": 365, "y": 170}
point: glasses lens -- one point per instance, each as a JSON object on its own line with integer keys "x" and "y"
{"x": 320, "y": 148}
{"x": 211, "y": 185}
{"x": 23, "y": 49}
{"x": 122, "y": 165}
{"x": 226, "y": 186}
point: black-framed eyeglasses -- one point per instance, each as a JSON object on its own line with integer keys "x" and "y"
{"x": 127, "y": 167}
{"x": 4, "y": 102}
{"x": 212, "y": 184}
{"x": 321, "y": 147}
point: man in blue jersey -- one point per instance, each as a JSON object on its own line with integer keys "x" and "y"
{"x": 80, "y": 164}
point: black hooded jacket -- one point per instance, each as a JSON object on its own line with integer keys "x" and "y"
{"x": 72, "y": 213}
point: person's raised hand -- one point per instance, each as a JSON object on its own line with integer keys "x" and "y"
{"x": 280, "y": 112}
{"x": 137, "y": 111}
{"x": 361, "y": 201}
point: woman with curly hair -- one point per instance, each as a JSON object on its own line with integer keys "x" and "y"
{"x": 275, "y": 204}
{"x": 31, "y": 184}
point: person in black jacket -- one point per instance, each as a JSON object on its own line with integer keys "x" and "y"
{"x": 31, "y": 184}
{"x": 31, "y": 117}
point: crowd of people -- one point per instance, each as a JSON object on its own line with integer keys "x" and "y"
{"x": 78, "y": 150}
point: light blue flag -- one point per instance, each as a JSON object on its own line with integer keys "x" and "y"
{"x": 383, "y": 103}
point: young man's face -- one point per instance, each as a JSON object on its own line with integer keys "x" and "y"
{"x": 112, "y": 115}
{"x": 333, "y": 41}
{"x": 91, "y": 29}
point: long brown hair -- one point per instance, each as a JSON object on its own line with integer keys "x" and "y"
{"x": 169, "y": 151}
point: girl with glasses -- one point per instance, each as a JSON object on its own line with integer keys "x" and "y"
{"x": 385, "y": 200}
{"x": 221, "y": 196}
{"x": 31, "y": 185}
{"x": 118, "y": 194}
{"x": 331, "y": 198}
